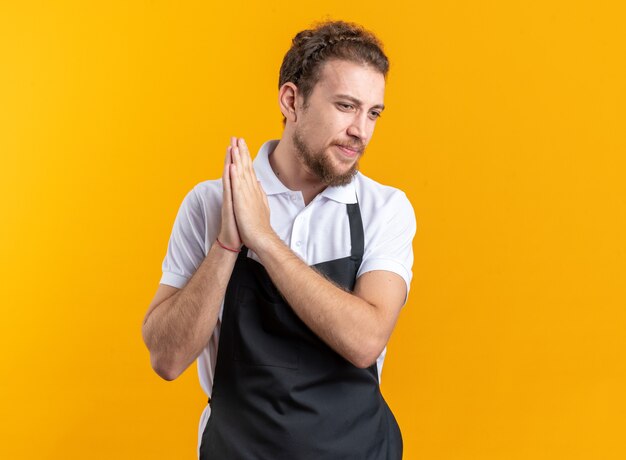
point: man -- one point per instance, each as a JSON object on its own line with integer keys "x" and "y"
{"x": 285, "y": 279}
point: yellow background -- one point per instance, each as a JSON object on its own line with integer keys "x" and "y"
{"x": 505, "y": 126}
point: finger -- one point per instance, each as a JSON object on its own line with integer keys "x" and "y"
{"x": 236, "y": 158}
{"x": 226, "y": 180}
{"x": 227, "y": 159}
{"x": 226, "y": 174}
{"x": 247, "y": 160}
{"x": 234, "y": 185}
{"x": 238, "y": 186}
{"x": 245, "y": 153}
{"x": 226, "y": 185}
{"x": 240, "y": 174}
{"x": 233, "y": 144}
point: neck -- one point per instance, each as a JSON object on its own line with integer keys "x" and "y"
{"x": 292, "y": 173}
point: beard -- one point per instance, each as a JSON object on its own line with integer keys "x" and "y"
{"x": 321, "y": 165}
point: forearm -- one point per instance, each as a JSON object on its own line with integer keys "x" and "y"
{"x": 357, "y": 326}
{"x": 348, "y": 324}
{"x": 180, "y": 327}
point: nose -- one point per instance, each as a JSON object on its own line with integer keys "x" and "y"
{"x": 359, "y": 127}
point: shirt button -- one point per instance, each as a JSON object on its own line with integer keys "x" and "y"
{"x": 298, "y": 243}
{"x": 294, "y": 197}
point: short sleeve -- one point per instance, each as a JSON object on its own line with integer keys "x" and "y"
{"x": 389, "y": 245}
{"x": 185, "y": 250}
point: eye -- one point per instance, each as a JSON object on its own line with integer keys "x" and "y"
{"x": 344, "y": 106}
{"x": 376, "y": 114}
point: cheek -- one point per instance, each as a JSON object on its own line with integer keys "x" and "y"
{"x": 333, "y": 128}
{"x": 322, "y": 132}
{"x": 325, "y": 129}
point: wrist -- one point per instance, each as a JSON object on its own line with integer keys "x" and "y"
{"x": 227, "y": 248}
{"x": 229, "y": 242}
{"x": 265, "y": 243}
{"x": 224, "y": 254}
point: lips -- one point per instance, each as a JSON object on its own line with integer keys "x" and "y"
{"x": 349, "y": 150}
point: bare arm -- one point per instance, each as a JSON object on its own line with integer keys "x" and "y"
{"x": 356, "y": 325}
{"x": 179, "y": 323}
{"x": 178, "y": 328}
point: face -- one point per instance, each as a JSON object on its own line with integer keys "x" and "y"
{"x": 333, "y": 129}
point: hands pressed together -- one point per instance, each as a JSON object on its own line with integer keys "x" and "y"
{"x": 245, "y": 210}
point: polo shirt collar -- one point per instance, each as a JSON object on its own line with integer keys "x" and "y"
{"x": 343, "y": 194}
{"x": 273, "y": 186}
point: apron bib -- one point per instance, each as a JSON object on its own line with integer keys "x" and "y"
{"x": 279, "y": 391}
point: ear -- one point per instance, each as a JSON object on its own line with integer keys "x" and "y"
{"x": 287, "y": 95}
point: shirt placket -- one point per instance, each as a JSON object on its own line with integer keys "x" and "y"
{"x": 300, "y": 229}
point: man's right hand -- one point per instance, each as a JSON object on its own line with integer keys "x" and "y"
{"x": 229, "y": 234}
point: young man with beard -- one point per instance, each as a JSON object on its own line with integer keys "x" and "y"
{"x": 285, "y": 279}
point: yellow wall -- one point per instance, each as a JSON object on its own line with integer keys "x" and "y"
{"x": 505, "y": 126}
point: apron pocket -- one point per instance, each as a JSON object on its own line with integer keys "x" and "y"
{"x": 263, "y": 334}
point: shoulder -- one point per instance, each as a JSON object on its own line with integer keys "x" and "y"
{"x": 389, "y": 225}
{"x": 208, "y": 189}
{"x": 377, "y": 200}
{"x": 199, "y": 215}
{"x": 201, "y": 205}
{"x": 205, "y": 196}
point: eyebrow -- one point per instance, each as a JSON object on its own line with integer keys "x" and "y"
{"x": 358, "y": 102}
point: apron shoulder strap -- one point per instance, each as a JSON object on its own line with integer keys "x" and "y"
{"x": 357, "y": 237}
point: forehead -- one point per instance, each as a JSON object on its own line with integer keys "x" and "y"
{"x": 357, "y": 80}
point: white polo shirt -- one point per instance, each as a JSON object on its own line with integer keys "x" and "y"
{"x": 316, "y": 233}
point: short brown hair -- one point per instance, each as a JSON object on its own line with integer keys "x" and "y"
{"x": 311, "y": 48}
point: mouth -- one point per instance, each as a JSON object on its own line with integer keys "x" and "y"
{"x": 350, "y": 152}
